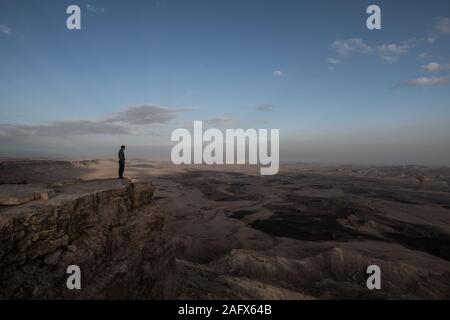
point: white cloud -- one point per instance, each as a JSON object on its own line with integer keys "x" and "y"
{"x": 391, "y": 52}
{"x": 432, "y": 67}
{"x": 443, "y": 25}
{"x": 432, "y": 38}
{"x": 95, "y": 9}
{"x": 264, "y": 108}
{"x": 349, "y": 46}
{"x": 427, "y": 81}
{"x": 221, "y": 121}
{"x": 127, "y": 122}
{"x": 441, "y": 28}
{"x": 387, "y": 52}
{"x": 278, "y": 73}
{"x": 333, "y": 61}
{"x": 436, "y": 67}
{"x": 144, "y": 114}
{"x": 5, "y": 29}
{"x": 62, "y": 129}
{"x": 424, "y": 55}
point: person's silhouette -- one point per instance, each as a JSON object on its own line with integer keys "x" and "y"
{"x": 121, "y": 155}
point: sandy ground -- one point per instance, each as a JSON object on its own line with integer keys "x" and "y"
{"x": 307, "y": 233}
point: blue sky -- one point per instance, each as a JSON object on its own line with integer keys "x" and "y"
{"x": 337, "y": 91}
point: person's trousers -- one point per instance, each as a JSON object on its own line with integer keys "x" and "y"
{"x": 121, "y": 168}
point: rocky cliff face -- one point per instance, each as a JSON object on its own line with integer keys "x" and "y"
{"x": 109, "y": 228}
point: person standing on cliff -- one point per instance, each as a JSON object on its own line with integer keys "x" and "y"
{"x": 121, "y": 155}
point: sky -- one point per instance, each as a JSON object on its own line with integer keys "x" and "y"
{"x": 337, "y": 91}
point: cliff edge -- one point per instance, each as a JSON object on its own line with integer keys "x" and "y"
{"x": 110, "y": 228}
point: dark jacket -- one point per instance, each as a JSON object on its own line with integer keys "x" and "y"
{"x": 121, "y": 155}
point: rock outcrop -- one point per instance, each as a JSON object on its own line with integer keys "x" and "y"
{"x": 110, "y": 228}
{"x": 15, "y": 194}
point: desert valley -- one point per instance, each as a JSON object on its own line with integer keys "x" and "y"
{"x": 224, "y": 232}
